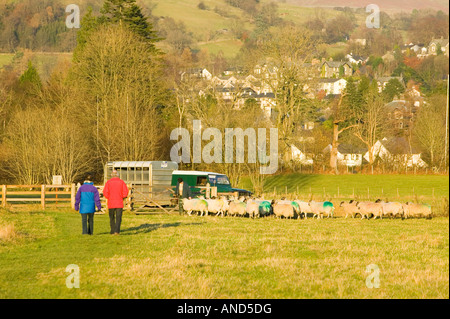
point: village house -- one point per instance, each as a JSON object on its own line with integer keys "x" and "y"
{"x": 438, "y": 43}
{"x": 399, "y": 114}
{"x": 348, "y": 155}
{"x": 329, "y": 69}
{"x": 332, "y": 86}
{"x": 396, "y": 151}
{"x": 199, "y": 73}
{"x": 382, "y": 81}
{"x": 297, "y": 155}
{"x": 357, "y": 59}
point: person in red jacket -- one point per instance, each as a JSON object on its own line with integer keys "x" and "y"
{"x": 115, "y": 191}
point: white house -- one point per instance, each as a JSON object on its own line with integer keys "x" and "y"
{"x": 348, "y": 155}
{"x": 353, "y": 58}
{"x": 396, "y": 150}
{"x": 435, "y": 43}
{"x": 332, "y": 86}
{"x": 382, "y": 81}
{"x": 200, "y": 73}
{"x": 297, "y": 155}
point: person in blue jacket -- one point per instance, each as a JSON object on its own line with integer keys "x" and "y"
{"x": 86, "y": 199}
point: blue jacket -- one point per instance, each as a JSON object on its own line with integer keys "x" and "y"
{"x": 87, "y": 198}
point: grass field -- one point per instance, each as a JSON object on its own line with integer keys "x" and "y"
{"x": 172, "y": 256}
{"x": 5, "y": 59}
{"x": 395, "y": 186}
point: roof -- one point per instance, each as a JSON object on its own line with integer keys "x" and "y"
{"x": 331, "y": 80}
{"x": 442, "y": 42}
{"x": 398, "y": 145}
{"x": 181, "y": 172}
{"x": 351, "y": 149}
{"x": 396, "y": 104}
{"x": 140, "y": 163}
{"x": 336, "y": 64}
{"x": 347, "y": 149}
{"x": 384, "y": 79}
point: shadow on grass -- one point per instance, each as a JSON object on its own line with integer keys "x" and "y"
{"x": 146, "y": 228}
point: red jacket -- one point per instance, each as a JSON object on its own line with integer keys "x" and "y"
{"x": 115, "y": 191}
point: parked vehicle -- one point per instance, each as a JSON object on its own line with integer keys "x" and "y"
{"x": 198, "y": 181}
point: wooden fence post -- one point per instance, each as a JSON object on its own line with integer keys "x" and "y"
{"x": 3, "y": 196}
{"x": 43, "y": 197}
{"x": 208, "y": 191}
{"x": 72, "y": 195}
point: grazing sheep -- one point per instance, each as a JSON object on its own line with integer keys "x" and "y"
{"x": 350, "y": 208}
{"x": 304, "y": 208}
{"x": 294, "y": 204}
{"x": 367, "y": 208}
{"x": 252, "y": 208}
{"x": 417, "y": 210}
{"x": 265, "y": 208}
{"x": 237, "y": 207}
{"x": 195, "y": 205}
{"x": 217, "y": 206}
{"x": 283, "y": 210}
{"x": 321, "y": 208}
{"x": 392, "y": 209}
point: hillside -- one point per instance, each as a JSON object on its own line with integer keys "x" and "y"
{"x": 385, "y": 5}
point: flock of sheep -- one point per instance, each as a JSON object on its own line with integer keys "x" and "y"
{"x": 253, "y": 208}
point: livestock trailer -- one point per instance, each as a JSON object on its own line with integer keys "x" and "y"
{"x": 151, "y": 180}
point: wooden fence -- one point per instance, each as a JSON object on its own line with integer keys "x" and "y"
{"x": 44, "y": 196}
{"x": 63, "y": 196}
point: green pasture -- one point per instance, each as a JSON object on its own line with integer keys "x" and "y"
{"x": 172, "y": 256}
{"x": 392, "y": 187}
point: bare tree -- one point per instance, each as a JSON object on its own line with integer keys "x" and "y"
{"x": 289, "y": 51}
{"x": 429, "y": 130}
{"x": 121, "y": 76}
{"x": 370, "y": 120}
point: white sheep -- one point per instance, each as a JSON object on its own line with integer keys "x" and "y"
{"x": 417, "y": 210}
{"x": 392, "y": 209}
{"x": 237, "y": 208}
{"x": 252, "y": 208}
{"x": 281, "y": 209}
{"x": 217, "y": 206}
{"x": 195, "y": 205}
{"x": 367, "y": 208}
{"x": 321, "y": 208}
{"x": 305, "y": 208}
{"x": 350, "y": 208}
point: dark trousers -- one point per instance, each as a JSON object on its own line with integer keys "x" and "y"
{"x": 180, "y": 206}
{"x": 115, "y": 219}
{"x": 87, "y": 222}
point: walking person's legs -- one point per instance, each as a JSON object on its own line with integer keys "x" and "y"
{"x": 84, "y": 224}
{"x": 90, "y": 218}
{"x": 119, "y": 212}
{"x": 180, "y": 206}
{"x": 112, "y": 220}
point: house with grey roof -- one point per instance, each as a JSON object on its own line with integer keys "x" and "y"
{"x": 396, "y": 151}
{"x": 329, "y": 69}
{"x": 438, "y": 43}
